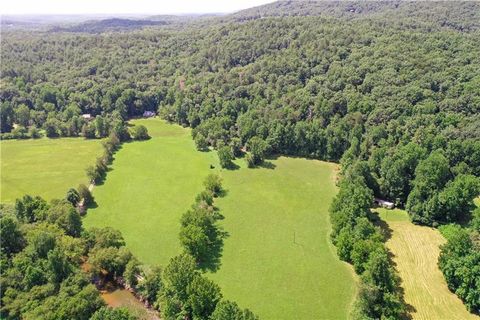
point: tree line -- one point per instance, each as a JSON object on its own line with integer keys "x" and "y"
{"x": 361, "y": 243}
{"x": 460, "y": 260}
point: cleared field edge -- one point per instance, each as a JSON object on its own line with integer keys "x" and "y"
{"x": 415, "y": 251}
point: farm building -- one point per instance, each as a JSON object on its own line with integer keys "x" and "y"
{"x": 384, "y": 203}
{"x": 148, "y": 114}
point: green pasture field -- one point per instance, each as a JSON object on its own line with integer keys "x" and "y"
{"x": 150, "y": 185}
{"x": 44, "y": 167}
{"x": 277, "y": 259}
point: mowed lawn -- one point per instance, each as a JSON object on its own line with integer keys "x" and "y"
{"x": 44, "y": 167}
{"x": 416, "y": 250}
{"x": 278, "y": 259}
{"x": 151, "y": 184}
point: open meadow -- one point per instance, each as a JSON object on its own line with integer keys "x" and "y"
{"x": 277, "y": 259}
{"x": 44, "y": 167}
{"x": 150, "y": 185}
{"x": 415, "y": 252}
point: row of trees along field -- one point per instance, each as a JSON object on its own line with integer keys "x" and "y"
{"x": 194, "y": 296}
{"x": 391, "y": 89}
{"x": 361, "y": 243}
{"x": 97, "y": 173}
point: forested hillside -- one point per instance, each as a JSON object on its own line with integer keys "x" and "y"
{"x": 389, "y": 89}
{"x": 309, "y": 86}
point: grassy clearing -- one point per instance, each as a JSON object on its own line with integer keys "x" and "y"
{"x": 44, "y": 167}
{"x": 151, "y": 184}
{"x": 416, "y": 250}
{"x": 278, "y": 259}
{"x": 263, "y": 268}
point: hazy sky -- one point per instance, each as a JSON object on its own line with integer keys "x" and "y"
{"x": 125, "y": 6}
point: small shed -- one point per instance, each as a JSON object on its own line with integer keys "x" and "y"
{"x": 384, "y": 203}
{"x": 87, "y": 116}
{"x": 148, "y": 114}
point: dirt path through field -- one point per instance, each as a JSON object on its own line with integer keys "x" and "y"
{"x": 416, "y": 250}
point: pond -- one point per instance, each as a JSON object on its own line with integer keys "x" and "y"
{"x": 115, "y": 297}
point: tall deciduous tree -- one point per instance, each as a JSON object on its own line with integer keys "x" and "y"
{"x": 225, "y": 156}
{"x": 213, "y": 183}
{"x": 257, "y": 148}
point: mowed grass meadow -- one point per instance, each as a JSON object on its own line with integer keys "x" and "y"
{"x": 277, "y": 259}
{"x": 415, "y": 252}
{"x": 150, "y": 185}
{"x": 44, "y": 167}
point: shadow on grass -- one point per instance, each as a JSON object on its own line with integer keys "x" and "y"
{"x": 386, "y": 230}
{"x": 387, "y": 233}
{"x": 103, "y": 178}
{"x": 264, "y": 165}
{"x": 222, "y": 193}
{"x": 211, "y": 261}
{"x": 232, "y": 166}
{"x": 267, "y": 165}
{"x": 92, "y": 205}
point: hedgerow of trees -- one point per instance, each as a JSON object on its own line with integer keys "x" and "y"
{"x": 361, "y": 243}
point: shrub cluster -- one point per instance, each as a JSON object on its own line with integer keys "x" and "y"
{"x": 21, "y": 132}
{"x": 139, "y": 132}
{"x": 225, "y": 156}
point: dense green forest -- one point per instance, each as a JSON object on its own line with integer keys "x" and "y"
{"x": 391, "y": 90}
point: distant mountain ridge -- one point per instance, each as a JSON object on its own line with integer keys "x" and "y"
{"x": 463, "y": 16}
{"x": 112, "y": 24}
{"x": 458, "y": 15}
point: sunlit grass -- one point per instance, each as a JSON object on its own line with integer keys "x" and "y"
{"x": 277, "y": 259}
{"x": 45, "y": 167}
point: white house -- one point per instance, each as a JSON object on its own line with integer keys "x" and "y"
{"x": 384, "y": 203}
